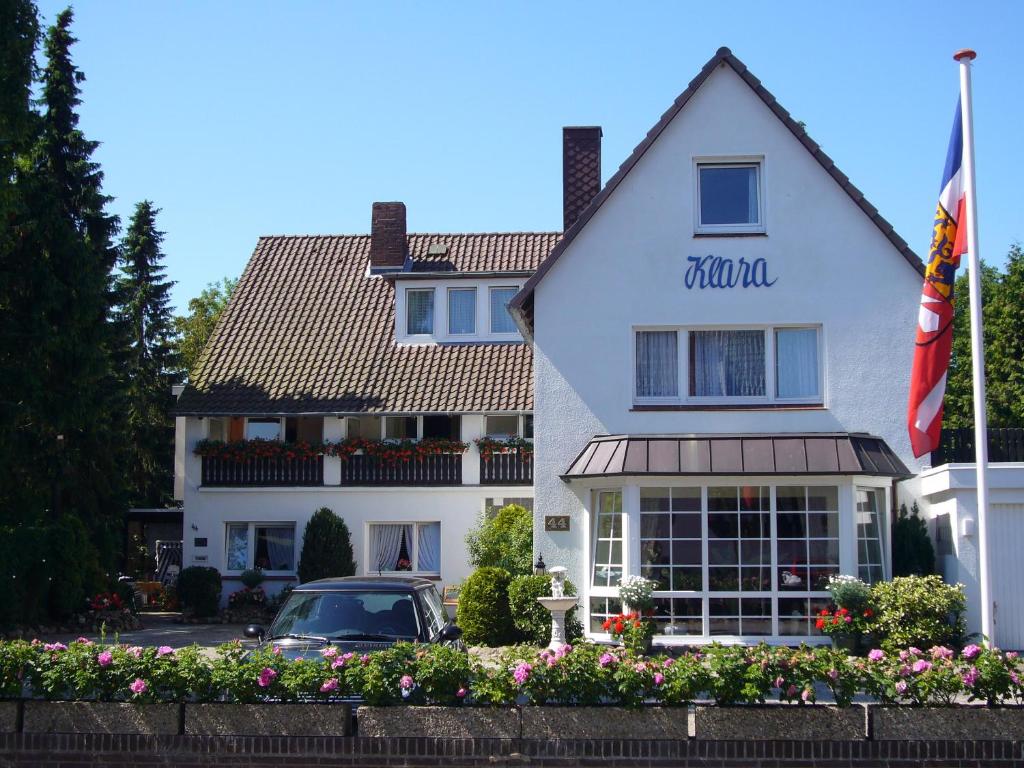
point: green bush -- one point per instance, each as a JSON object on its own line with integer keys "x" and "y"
{"x": 199, "y": 590}
{"x": 920, "y": 611}
{"x": 326, "y": 548}
{"x": 531, "y": 619}
{"x": 912, "y": 550}
{"x": 504, "y": 541}
{"x": 251, "y": 578}
{"x": 483, "y": 612}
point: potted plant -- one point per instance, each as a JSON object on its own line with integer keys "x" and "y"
{"x": 850, "y": 624}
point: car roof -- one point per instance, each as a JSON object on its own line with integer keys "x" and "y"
{"x": 356, "y": 583}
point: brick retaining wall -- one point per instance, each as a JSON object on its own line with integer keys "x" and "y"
{"x": 89, "y": 750}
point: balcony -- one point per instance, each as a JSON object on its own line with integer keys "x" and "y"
{"x": 507, "y": 468}
{"x": 276, "y": 471}
{"x": 437, "y": 469}
{"x": 957, "y": 445}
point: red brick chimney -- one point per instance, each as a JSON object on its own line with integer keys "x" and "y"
{"x": 581, "y": 170}
{"x": 388, "y": 246}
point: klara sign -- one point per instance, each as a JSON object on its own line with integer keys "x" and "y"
{"x": 721, "y": 272}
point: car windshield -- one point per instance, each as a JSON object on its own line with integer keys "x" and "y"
{"x": 337, "y": 615}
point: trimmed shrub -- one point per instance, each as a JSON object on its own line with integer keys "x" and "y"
{"x": 504, "y": 541}
{"x": 531, "y": 619}
{"x": 326, "y": 548}
{"x": 912, "y": 550}
{"x": 920, "y": 611}
{"x": 199, "y": 590}
{"x": 483, "y": 612}
{"x": 251, "y": 578}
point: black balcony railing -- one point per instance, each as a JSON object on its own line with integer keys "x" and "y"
{"x": 263, "y": 471}
{"x": 957, "y": 445}
{"x": 512, "y": 468}
{"x": 436, "y": 469}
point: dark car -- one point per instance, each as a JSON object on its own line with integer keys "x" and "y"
{"x": 359, "y": 614}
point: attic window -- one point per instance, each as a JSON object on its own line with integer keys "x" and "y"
{"x": 729, "y": 197}
{"x": 437, "y": 249}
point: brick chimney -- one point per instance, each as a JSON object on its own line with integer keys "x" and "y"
{"x": 581, "y": 170}
{"x": 388, "y": 246}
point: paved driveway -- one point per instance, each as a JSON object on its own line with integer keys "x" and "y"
{"x": 162, "y": 629}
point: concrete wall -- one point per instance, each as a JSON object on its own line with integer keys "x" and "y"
{"x": 625, "y": 268}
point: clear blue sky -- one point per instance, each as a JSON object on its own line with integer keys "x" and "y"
{"x": 250, "y": 118}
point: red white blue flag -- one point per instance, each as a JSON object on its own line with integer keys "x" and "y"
{"x": 935, "y": 315}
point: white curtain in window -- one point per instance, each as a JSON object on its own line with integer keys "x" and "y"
{"x": 501, "y": 320}
{"x": 657, "y": 366}
{"x": 430, "y": 548}
{"x": 752, "y": 212}
{"x": 462, "y": 310}
{"x": 238, "y": 547}
{"x": 280, "y": 547}
{"x": 796, "y": 362}
{"x": 386, "y": 544}
{"x": 420, "y": 311}
{"x": 727, "y": 363}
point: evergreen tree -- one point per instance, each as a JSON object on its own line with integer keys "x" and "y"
{"x": 151, "y": 365}
{"x": 326, "y": 548}
{"x": 195, "y": 328}
{"x": 80, "y": 404}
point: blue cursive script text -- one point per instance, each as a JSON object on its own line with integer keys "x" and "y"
{"x": 721, "y": 272}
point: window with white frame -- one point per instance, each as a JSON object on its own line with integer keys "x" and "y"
{"x": 461, "y": 311}
{"x": 870, "y": 511}
{"x": 728, "y": 365}
{"x": 501, "y": 320}
{"x": 729, "y": 197}
{"x": 267, "y": 546}
{"x": 508, "y": 425}
{"x": 419, "y": 311}
{"x": 401, "y": 427}
{"x": 395, "y": 547}
{"x": 745, "y": 561}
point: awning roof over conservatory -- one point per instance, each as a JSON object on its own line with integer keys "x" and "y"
{"x": 834, "y": 453}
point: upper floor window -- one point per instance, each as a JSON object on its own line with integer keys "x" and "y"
{"x": 501, "y": 320}
{"x": 509, "y": 425}
{"x": 263, "y": 429}
{"x": 729, "y": 197}
{"x": 419, "y": 306}
{"x": 461, "y": 311}
{"x": 728, "y": 365}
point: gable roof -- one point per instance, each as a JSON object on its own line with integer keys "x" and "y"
{"x": 522, "y": 304}
{"x": 308, "y": 331}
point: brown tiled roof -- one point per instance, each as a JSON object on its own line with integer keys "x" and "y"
{"x": 522, "y": 304}
{"x": 832, "y": 453}
{"x": 307, "y": 331}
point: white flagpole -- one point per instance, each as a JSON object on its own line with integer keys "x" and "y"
{"x": 964, "y": 57}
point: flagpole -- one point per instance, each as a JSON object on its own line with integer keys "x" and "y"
{"x": 964, "y": 57}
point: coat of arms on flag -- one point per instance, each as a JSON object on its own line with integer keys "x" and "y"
{"x": 935, "y": 315}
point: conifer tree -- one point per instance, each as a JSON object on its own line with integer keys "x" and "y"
{"x": 152, "y": 360}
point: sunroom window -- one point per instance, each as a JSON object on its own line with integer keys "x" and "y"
{"x": 870, "y": 506}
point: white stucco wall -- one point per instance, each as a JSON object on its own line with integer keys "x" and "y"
{"x": 457, "y": 508}
{"x": 625, "y": 268}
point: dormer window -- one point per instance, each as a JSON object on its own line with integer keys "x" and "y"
{"x": 501, "y": 320}
{"x": 419, "y": 304}
{"x": 461, "y": 311}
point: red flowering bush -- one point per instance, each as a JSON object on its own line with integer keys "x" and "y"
{"x": 247, "y": 596}
{"x": 107, "y": 601}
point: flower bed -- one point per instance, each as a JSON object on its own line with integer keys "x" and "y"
{"x": 584, "y": 675}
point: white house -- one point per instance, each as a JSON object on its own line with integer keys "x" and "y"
{"x": 334, "y": 351}
{"x": 722, "y": 347}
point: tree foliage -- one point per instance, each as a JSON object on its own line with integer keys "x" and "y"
{"x": 504, "y": 541}
{"x": 151, "y": 364}
{"x": 196, "y": 328}
{"x": 1002, "y": 295}
{"x": 326, "y": 548}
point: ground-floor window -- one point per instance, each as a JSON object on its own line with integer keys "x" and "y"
{"x": 267, "y": 546}
{"x": 405, "y": 547}
{"x": 870, "y": 504}
{"x": 726, "y": 560}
